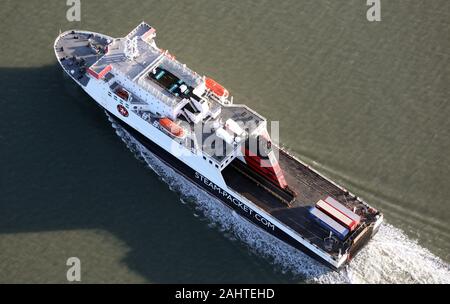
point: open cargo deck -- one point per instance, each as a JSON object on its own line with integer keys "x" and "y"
{"x": 309, "y": 187}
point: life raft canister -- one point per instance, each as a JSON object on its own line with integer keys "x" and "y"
{"x": 216, "y": 88}
{"x": 172, "y": 127}
{"x": 122, "y": 110}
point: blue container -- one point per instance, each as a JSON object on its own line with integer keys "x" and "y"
{"x": 328, "y": 223}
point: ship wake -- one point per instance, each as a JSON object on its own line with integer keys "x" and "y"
{"x": 390, "y": 257}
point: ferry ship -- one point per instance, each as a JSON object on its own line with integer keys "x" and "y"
{"x": 191, "y": 123}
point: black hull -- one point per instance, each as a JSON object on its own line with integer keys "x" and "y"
{"x": 221, "y": 195}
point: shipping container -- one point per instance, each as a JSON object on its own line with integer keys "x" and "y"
{"x": 343, "y": 209}
{"x": 337, "y": 215}
{"x": 328, "y": 223}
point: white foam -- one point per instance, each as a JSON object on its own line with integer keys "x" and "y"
{"x": 390, "y": 257}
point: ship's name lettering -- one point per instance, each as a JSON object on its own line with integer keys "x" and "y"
{"x": 235, "y": 201}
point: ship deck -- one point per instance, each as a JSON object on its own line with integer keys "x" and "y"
{"x": 309, "y": 187}
{"x": 80, "y": 51}
{"x": 76, "y": 51}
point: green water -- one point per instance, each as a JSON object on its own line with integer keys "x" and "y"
{"x": 365, "y": 103}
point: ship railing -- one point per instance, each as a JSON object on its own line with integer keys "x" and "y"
{"x": 157, "y": 93}
{"x": 182, "y": 71}
{"x": 151, "y": 65}
{"x": 222, "y": 101}
{"x": 358, "y": 233}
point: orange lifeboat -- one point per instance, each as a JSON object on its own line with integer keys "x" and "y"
{"x": 216, "y": 88}
{"x": 172, "y": 127}
{"x": 122, "y": 93}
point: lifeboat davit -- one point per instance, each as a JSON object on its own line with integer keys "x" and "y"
{"x": 216, "y": 88}
{"x": 172, "y": 127}
{"x": 170, "y": 56}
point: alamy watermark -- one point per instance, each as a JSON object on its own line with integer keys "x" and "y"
{"x": 74, "y": 12}
{"x": 73, "y": 274}
{"x": 220, "y": 141}
{"x": 374, "y": 11}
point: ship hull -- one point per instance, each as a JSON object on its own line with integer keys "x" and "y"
{"x": 206, "y": 176}
{"x": 199, "y": 180}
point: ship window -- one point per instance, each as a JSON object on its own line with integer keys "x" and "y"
{"x": 204, "y": 157}
{"x": 217, "y": 166}
{"x": 210, "y": 162}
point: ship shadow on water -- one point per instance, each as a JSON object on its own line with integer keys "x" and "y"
{"x": 63, "y": 168}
